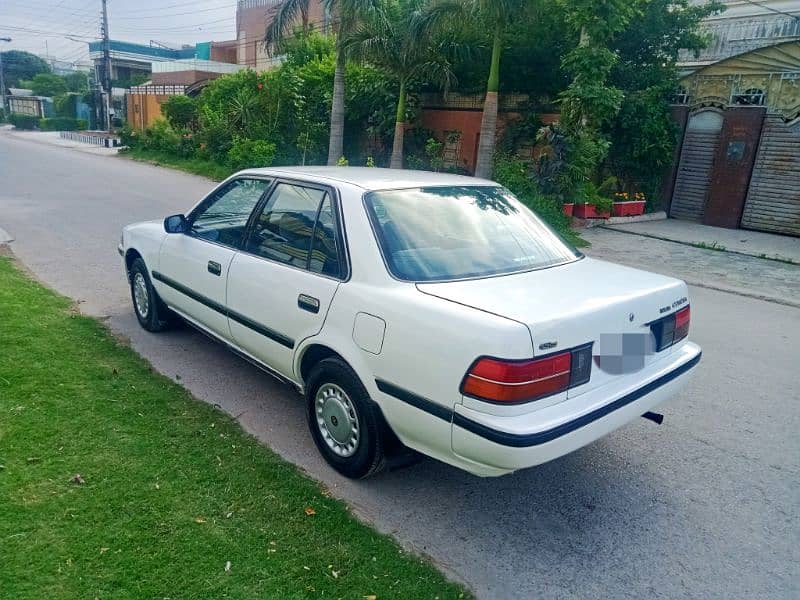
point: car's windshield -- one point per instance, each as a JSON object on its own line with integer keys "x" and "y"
{"x": 459, "y": 232}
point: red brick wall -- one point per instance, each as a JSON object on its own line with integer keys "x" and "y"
{"x": 253, "y": 22}
{"x": 224, "y": 52}
{"x": 468, "y": 123}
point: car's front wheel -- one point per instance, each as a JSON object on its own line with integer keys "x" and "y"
{"x": 150, "y": 311}
{"x": 346, "y": 425}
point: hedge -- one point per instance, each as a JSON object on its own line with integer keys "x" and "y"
{"x": 62, "y": 124}
{"x": 21, "y": 121}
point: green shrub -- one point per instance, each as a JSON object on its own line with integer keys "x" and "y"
{"x": 129, "y": 136}
{"x": 21, "y": 121}
{"x": 2, "y": 115}
{"x": 514, "y": 174}
{"x": 62, "y": 124}
{"x": 180, "y": 111}
{"x": 160, "y": 136}
{"x": 246, "y": 154}
{"x": 64, "y": 105}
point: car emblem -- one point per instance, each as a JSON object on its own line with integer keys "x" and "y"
{"x": 631, "y": 317}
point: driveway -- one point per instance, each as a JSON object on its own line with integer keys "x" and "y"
{"x": 705, "y": 505}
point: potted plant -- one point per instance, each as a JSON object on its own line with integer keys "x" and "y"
{"x": 593, "y": 204}
{"x": 596, "y": 208}
{"x": 568, "y": 208}
{"x": 628, "y": 205}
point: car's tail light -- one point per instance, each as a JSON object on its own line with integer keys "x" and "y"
{"x": 671, "y": 329}
{"x": 682, "y": 318}
{"x": 516, "y": 381}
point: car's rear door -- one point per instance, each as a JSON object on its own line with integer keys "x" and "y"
{"x": 282, "y": 282}
{"x": 193, "y": 266}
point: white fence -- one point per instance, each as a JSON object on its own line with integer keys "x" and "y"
{"x": 88, "y": 137}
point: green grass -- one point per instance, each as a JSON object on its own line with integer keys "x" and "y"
{"x": 196, "y": 166}
{"x": 173, "y": 489}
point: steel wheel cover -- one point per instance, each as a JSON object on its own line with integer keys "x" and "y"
{"x": 140, "y": 296}
{"x": 337, "y": 420}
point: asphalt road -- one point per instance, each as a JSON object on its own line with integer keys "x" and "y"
{"x": 704, "y": 506}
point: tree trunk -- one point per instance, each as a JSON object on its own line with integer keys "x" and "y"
{"x": 483, "y": 167}
{"x": 336, "y": 145}
{"x": 399, "y": 130}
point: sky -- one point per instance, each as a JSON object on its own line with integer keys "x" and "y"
{"x": 61, "y": 28}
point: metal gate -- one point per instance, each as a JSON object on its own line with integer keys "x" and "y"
{"x": 773, "y": 200}
{"x": 700, "y": 144}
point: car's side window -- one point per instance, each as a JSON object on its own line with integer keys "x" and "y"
{"x": 223, "y": 217}
{"x": 325, "y": 257}
{"x": 298, "y": 227}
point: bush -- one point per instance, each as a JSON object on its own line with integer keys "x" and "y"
{"x": 65, "y": 105}
{"x": 160, "y": 136}
{"x": 63, "y": 124}
{"x": 250, "y": 153}
{"x": 129, "y": 136}
{"x": 514, "y": 174}
{"x": 21, "y": 121}
{"x": 180, "y": 111}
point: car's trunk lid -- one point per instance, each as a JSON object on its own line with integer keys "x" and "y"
{"x": 586, "y": 301}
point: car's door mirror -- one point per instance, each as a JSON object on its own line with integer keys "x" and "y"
{"x": 176, "y": 224}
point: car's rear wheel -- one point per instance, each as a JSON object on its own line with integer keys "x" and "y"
{"x": 345, "y": 423}
{"x": 151, "y": 312}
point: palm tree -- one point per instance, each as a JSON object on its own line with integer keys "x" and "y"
{"x": 347, "y": 14}
{"x": 403, "y": 39}
{"x": 496, "y": 16}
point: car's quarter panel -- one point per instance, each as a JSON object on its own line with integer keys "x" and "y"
{"x": 427, "y": 347}
{"x": 185, "y": 281}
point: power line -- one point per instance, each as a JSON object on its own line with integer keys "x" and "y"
{"x": 178, "y": 5}
{"x": 162, "y": 16}
{"x": 771, "y": 9}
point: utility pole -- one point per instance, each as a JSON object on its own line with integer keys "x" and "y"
{"x": 106, "y": 75}
{"x": 3, "y": 81}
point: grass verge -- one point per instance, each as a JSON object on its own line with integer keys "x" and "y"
{"x": 173, "y": 499}
{"x": 195, "y": 166}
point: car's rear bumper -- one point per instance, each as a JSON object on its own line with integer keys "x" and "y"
{"x": 493, "y": 445}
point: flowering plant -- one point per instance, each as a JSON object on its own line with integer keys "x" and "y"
{"x": 626, "y": 197}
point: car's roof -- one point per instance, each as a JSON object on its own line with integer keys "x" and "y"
{"x": 371, "y": 178}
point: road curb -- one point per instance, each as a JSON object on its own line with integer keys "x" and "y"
{"x": 5, "y": 237}
{"x": 746, "y": 294}
{"x": 776, "y": 258}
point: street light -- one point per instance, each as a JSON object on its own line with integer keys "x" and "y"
{"x": 3, "y": 81}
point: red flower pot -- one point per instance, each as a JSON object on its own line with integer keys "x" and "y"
{"x": 629, "y": 208}
{"x": 589, "y": 211}
{"x": 568, "y": 208}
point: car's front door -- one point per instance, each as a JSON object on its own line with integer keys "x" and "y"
{"x": 193, "y": 266}
{"x": 281, "y": 285}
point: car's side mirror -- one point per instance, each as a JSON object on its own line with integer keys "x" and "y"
{"x": 176, "y": 224}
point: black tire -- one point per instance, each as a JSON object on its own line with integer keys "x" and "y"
{"x": 155, "y": 315}
{"x": 368, "y": 457}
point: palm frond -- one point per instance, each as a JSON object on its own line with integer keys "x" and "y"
{"x": 285, "y": 19}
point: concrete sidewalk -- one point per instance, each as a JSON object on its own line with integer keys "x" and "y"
{"x": 52, "y": 138}
{"x": 741, "y": 241}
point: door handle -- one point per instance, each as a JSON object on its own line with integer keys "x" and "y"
{"x": 214, "y": 268}
{"x": 308, "y": 303}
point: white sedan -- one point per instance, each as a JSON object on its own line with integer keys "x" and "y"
{"x": 416, "y": 310}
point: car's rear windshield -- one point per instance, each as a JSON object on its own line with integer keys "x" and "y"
{"x": 461, "y": 232}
